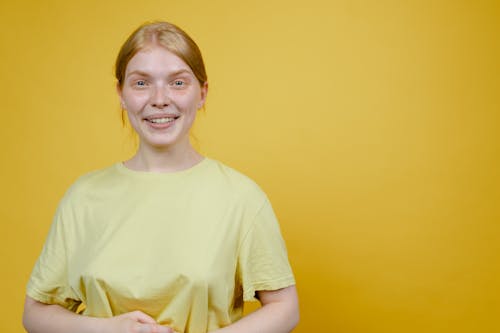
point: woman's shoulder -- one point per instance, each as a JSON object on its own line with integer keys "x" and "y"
{"x": 233, "y": 179}
{"x": 92, "y": 181}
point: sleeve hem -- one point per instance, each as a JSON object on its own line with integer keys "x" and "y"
{"x": 45, "y": 298}
{"x": 249, "y": 294}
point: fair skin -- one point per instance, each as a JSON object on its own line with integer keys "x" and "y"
{"x": 161, "y": 96}
{"x": 279, "y": 314}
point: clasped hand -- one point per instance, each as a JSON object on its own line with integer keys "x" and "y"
{"x": 136, "y": 322}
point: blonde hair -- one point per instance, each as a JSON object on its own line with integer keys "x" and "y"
{"x": 166, "y": 35}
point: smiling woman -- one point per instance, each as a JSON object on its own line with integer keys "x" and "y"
{"x": 161, "y": 95}
{"x": 169, "y": 240}
{"x": 162, "y": 82}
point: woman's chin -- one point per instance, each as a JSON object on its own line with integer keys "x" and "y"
{"x": 165, "y": 142}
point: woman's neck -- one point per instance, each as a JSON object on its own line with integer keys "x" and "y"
{"x": 163, "y": 160}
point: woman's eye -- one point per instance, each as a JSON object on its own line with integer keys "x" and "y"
{"x": 140, "y": 83}
{"x": 179, "y": 83}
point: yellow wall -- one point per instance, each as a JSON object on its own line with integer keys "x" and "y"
{"x": 372, "y": 125}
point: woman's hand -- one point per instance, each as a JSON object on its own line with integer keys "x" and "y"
{"x": 135, "y": 322}
{"x": 44, "y": 318}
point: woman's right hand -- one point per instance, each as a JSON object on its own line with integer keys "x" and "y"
{"x": 45, "y": 318}
{"x": 135, "y": 322}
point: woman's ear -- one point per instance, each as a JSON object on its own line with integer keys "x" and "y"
{"x": 119, "y": 92}
{"x": 204, "y": 92}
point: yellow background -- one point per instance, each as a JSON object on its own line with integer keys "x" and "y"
{"x": 372, "y": 125}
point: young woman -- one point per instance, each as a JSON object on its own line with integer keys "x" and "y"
{"x": 170, "y": 240}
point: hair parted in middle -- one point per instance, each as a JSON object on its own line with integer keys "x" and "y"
{"x": 166, "y": 35}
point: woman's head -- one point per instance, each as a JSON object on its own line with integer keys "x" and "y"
{"x": 165, "y": 35}
{"x": 161, "y": 83}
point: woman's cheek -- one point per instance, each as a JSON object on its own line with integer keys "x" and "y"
{"x": 138, "y": 103}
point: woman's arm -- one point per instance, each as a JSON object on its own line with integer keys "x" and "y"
{"x": 45, "y": 318}
{"x": 279, "y": 314}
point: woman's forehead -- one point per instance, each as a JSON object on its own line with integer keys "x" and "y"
{"x": 156, "y": 60}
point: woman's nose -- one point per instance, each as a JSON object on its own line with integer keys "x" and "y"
{"x": 160, "y": 97}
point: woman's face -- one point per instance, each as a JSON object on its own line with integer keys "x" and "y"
{"x": 161, "y": 95}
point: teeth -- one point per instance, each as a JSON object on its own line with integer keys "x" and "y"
{"x": 161, "y": 120}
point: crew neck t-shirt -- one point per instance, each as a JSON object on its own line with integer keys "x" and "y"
{"x": 186, "y": 248}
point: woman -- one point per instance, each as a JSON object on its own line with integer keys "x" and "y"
{"x": 168, "y": 240}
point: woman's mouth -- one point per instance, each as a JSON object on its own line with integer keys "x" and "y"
{"x": 161, "y": 120}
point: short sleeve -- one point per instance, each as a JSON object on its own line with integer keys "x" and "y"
{"x": 263, "y": 260}
{"x": 48, "y": 282}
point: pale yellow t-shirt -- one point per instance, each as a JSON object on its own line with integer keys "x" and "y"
{"x": 186, "y": 247}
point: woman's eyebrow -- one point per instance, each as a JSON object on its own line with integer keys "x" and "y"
{"x": 174, "y": 73}
{"x": 180, "y": 71}
{"x": 137, "y": 72}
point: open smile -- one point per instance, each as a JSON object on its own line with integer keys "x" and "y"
{"x": 161, "y": 121}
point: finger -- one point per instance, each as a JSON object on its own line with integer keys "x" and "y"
{"x": 145, "y": 328}
{"x": 141, "y": 317}
{"x": 162, "y": 329}
{"x": 165, "y": 329}
{"x": 154, "y": 328}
